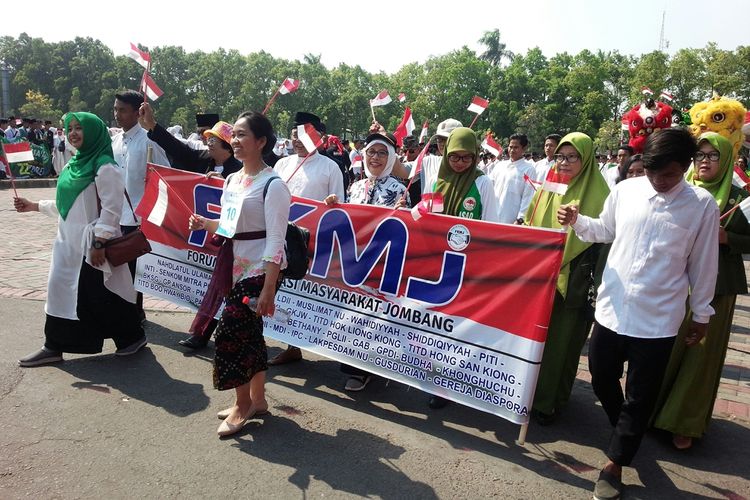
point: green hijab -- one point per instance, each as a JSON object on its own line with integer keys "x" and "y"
{"x": 588, "y": 189}
{"x": 453, "y": 185}
{"x": 95, "y": 151}
{"x": 722, "y": 184}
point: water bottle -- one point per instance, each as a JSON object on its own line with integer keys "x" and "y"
{"x": 280, "y": 315}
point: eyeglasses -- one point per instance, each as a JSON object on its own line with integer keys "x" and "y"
{"x": 571, "y": 158}
{"x": 371, "y": 153}
{"x": 460, "y": 158}
{"x": 712, "y": 156}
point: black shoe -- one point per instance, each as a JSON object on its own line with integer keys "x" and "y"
{"x": 543, "y": 419}
{"x": 194, "y": 342}
{"x": 436, "y": 402}
{"x": 608, "y": 486}
{"x": 41, "y": 357}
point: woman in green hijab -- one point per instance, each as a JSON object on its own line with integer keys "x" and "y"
{"x": 692, "y": 377}
{"x": 572, "y": 314}
{"x": 88, "y": 299}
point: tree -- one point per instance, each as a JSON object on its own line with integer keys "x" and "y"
{"x": 496, "y": 50}
{"x": 39, "y": 106}
{"x": 609, "y": 136}
{"x": 75, "y": 103}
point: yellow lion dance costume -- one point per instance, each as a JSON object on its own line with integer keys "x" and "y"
{"x": 721, "y": 115}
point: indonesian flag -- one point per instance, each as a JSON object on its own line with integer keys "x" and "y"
{"x": 667, "y": 96}
{"x": 429, "y": 203}
{"x": 418, "y": 162}
{"x": 289, "y": 86}
{"x": 478, "y": 105}
{"x": 18, "y": 152}
{"x": 381, "y": 99}
{"x": 646, "y": 91}
{"x": 739, "y": 178}
{"x": 149, "y": 87}
{"x": 405, "y": 128}
{"x": 490, "y": 145}
{"x": 424, "y": 132}
{"x": 309, "y": 137}
{"x": 136, "y": 54}
{"x": 556, "y": 182}
{"x": 156, "y": 216}
{"x": 402, "y": 97}
{"x": 357, "y": 163}
{"x": 745, "y": 207}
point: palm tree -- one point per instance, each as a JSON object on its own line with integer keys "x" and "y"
{"x": 496, "y": 50}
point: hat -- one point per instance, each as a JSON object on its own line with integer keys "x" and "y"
{"x": 206, "y": 119}
{"x": 446, "y": 127}
{"x": 387, "y": 137}
{"x": 301, "y": 117}
{"x": 222, "y": 130}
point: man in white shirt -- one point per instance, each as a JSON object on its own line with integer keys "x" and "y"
{"x": 542, "y": 166}
{"x": 319, "y": 177}
{"x": 11, "y": 133}
{"x": 664, "y": 242}
{"x": 356, "y": 165}
{"x": 613, "y": 172}
{"x": 513, "y": 192}
{"x": 130, "y": 149}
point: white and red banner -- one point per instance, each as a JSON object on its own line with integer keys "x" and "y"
{"x": 381, "y": 99}
{"x": 139, "y": 56}
{"x": 288, "y": 86}
{"x": 18, "y": 152}
{"x": 405, "y": 128}
{"x": 428, "y": 303}
{"x": 478, "y": 105}
{"x": 491, "y": 146}
{"x": 149, "y": 87}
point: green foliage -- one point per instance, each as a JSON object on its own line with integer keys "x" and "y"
{"x": 529, "y": 93}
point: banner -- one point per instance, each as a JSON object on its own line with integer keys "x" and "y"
{"x": 455, "y": 307}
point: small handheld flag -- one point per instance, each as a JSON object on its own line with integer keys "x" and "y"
{"x": 425, "y": 130}
{"x": 402, "y": 97}
{"x": 139, "y": 56}
{"x": 381, "y": 99}
{"x": 491, "y": 146}
{"x": 740, "y": 178}
{"x": 309, "y": 137}
{"x": 646, "y": 91}
{"x": 556, "y": 182}
{"x": 149, "y": 87}
{"x": 405, "y": 128}
{"x": 18, "y": 152}
{"x": 478, "y": 105}
{"x": 288, "y": 86}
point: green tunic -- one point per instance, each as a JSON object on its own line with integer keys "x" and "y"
{"x": 692, "y": 378}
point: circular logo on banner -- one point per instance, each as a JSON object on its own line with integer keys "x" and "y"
{"x": 470, "y": 203}
{"x": 458, "y": 237}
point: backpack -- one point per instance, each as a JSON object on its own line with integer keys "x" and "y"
{"x": 297, "y": 241}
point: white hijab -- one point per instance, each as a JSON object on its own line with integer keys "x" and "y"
{"x": 389, "y": 163}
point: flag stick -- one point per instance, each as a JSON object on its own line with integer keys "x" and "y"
{"x": 533, "y": 212}
{"x": 730, "y": 212}
{"x": 299, "y": 166}
{"x": 422, "y": 154}
{"x": 265, "y": 110}
{"x": 9, "y": 171}
{"x": 373, "y": 112}
{"x": 474, "y": 120}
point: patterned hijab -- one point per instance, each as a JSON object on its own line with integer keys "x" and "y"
{"x": 81, "y": 170}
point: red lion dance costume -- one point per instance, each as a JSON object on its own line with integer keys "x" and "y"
{"x": 644, "y": 119}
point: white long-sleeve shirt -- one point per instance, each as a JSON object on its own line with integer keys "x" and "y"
{"x": 542, "y": 167}
{"x": 316, "y": 179}
{"x": 130, "y": 149}
{"x": 512, "y": 191}
{"x": 662, "y": 243}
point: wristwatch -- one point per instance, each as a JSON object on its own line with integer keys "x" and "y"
{"x": 98, "y": 244}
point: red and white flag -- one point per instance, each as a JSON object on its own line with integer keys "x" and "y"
{"x": 381, "y": 99}
{"x": 139, "y": 56}
{"x": 490, "y": 145}
{"x": 556, "y": 182}
{"x": 429, "y": 203}
{"x": 646, "y": 91}
{"x": 745, "y": 207}
{"x": 425, "y": 130}
{"x": 478, "y": 105}
{"x": 309, "y": 137}
{"x": 150, "y": 88}
{"x": 405, "y": 128}
{"x": 739, "y": 178}
{"x": 18, "y": 152}
{"x": 402, "y": 97}
{"x": 666, "y": 95}
{"x": 289, "y": 86}
{"x": 418, "y": 162}
{"x": 357, "y": 163}
{"x": 156, "y": 216}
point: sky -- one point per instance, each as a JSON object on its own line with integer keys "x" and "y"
{"x": 386, "y": 35}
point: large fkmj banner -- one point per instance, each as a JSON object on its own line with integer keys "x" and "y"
{"x": 455, "y": 307}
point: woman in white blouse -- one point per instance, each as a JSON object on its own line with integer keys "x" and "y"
{"x": 254, "y": 217}
{"x": 88, "y": 299}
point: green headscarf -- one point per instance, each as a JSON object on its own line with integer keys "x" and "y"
{"x": 722, "y": 184}
{"x": 588, "y": 189}
{"x": 95, "y": 151}
{"x": 453, "y": 185}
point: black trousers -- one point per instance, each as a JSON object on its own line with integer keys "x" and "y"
{"x": 131, "y": 265}
{"x": 629, "y": 414}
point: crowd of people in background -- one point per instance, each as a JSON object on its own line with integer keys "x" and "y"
{"x": 646, "y": 240}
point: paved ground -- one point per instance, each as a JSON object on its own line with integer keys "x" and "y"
{"x": 98, "y": 426}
